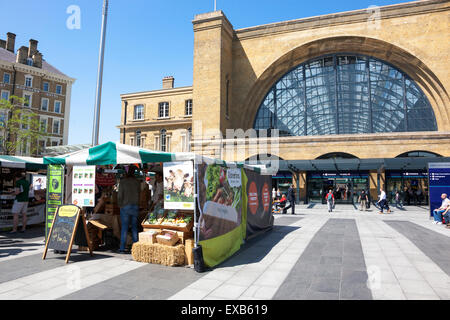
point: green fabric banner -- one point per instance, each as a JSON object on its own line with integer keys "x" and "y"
{"x": 223, "y": 199}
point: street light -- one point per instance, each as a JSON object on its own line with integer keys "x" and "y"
{"x": 101, "y": 55}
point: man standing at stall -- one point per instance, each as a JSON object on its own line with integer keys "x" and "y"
{"x": 20, "y": 205}
{"x": 128, "y": 201}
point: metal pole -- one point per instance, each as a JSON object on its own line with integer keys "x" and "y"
{"x": 101, "y": 55}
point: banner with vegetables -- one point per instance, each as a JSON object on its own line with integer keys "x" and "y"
{"x": 223, "y": 220}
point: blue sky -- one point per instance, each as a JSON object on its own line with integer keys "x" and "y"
{"x": 145, "y": 41}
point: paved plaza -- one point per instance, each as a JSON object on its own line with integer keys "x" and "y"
{"x": 345, "y": 255}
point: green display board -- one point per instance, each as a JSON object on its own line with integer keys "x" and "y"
{"x": 55, "y": 194}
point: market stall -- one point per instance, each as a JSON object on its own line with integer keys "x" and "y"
{"x": 204, "y": 204}
{"x": 35, "y": 172}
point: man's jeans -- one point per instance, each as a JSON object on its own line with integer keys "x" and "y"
{"x": 438, "y": 215}
{"x": 128, "y": 214}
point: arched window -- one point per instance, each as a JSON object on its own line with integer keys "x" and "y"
{"x": 337, "y": 155}
{"x": 163, "y": 139}
{"x": 345, "y": 94}
{"x": 418, "y": 154}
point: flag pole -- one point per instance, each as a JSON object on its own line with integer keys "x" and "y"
{"x": 101, "y": 55}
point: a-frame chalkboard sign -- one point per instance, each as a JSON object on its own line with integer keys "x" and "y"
{"x": 68, "y": 227}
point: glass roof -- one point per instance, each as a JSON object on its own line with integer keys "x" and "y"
{"x": 344, "y": 94}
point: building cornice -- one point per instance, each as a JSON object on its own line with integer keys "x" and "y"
{"x": 159, "y": 123}
{"x": 391, "y": 136}
{"x": 157, "y": 93}
{"x": 348, "y": 17}
{"x": 36, "y": 72}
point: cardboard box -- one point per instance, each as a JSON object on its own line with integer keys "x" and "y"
{"x": 189, "y": 254}
{"x": 167, "y": 237}
{"x": 148, "y": 236}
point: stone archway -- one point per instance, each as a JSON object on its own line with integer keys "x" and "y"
{"x": 398, "y": 57}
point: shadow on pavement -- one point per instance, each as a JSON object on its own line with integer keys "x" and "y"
{"x": 255, "y": 249}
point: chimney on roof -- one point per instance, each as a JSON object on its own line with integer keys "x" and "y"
{"x": 22, "y": 55}
{"x": 10, "y": 41}
{"x": 33, "y": 48}
{"x": 168, "y": 82}
{"x": 37, "y": 60}
{"x": 2, "y": 44}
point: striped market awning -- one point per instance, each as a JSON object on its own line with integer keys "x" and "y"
{"x": 112, "y": 153}
{"x": 28, "y": 163}
{"x": 116, "y": 153}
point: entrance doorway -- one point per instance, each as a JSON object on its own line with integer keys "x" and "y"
{"x": 346, "y": 186}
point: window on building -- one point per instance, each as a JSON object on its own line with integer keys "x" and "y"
{"x": 57, "y": 107}
{"x": 138, "y": 138}
{"x": 45, "y": 86}
{"x": 24, "y": 147}
{"x": 188, "y": 108}
{"x": 139, "y": 112}
{"x": 58, "y": 89}
{"x": 6, "y": 78}
{"x": 163, "y": 110}
{"x": 43, "y": 125}
{"x": 163, "y": 140}
{"x": 54, "y": 143}
{"x": 25, "y": 119}
{"x": 29, "y": 61}
{"x": 28, "y": 100}
{"x": 5, "y": 95}
{"x": 28, "y": 81}
{"x": 42, "y": 145}
{"x": 56, "y": 126}
{"x": 44, "y": 104}
{"x": 345, "y": 94}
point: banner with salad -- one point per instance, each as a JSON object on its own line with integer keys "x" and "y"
{"x": 222, "y": 222}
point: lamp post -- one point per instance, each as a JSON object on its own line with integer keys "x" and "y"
{"x": 101, "y": 55}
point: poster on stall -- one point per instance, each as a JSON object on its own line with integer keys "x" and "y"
{"x": 54, "y": 195}
{"x": 439, "y": 183}
{"x": 223, "y": 204}
{"x": 178, "y": 185}
{"x": 39, "y": 182}
{"x": 83, "y": 186}
{"x": 259, "y": 205}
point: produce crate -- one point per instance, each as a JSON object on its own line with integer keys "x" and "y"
{"x": 148, "y": 236}
{"x": 182, "y": 228}
{"x": 167, "y": 237}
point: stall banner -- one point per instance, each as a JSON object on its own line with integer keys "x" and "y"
{"x": 439, "y": 183}
{"x": 259, "y": 206}
{"x": 83, "y": 186}
{"x": 178, "y": 185}
{"x": 35, "y": 215}
{"x": 223, "y": 204}
{"x": 54, "y": 195}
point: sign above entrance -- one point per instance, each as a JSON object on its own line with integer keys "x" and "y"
{"x": 334, "y": 175}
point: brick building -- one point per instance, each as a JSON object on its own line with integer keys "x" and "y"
{"x": 24, "y": 73}
{"x": 359, "y": 98}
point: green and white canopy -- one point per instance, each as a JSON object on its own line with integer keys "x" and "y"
{"x": 116, "y": 153}
{"x": 28, "y": 163}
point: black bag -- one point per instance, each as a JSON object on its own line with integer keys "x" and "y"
{"x": 199, "y": 263}
{"x": 368, "y": 204}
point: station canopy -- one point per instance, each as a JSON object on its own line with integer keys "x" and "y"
{"x": 355, "y": 164}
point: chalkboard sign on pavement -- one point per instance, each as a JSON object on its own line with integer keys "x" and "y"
{"x": 68, "y": 227}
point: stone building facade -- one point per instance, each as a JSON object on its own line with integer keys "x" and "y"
{"x": 389, "y": 63}
{"x": 24, "y": 73}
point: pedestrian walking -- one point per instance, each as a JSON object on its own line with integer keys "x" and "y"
{"x": 330, "y": 200}
{"x": 20, "y": 206}
{"x": 398, "y": 203}
{"x": 363, "y": 200}
{"x": 291, "y": 198}
{"x": 274, "y": 194}
{"x": 128, "y": 201}
{"x": 278, "y": 194}
{"x": 383, "y": 202}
